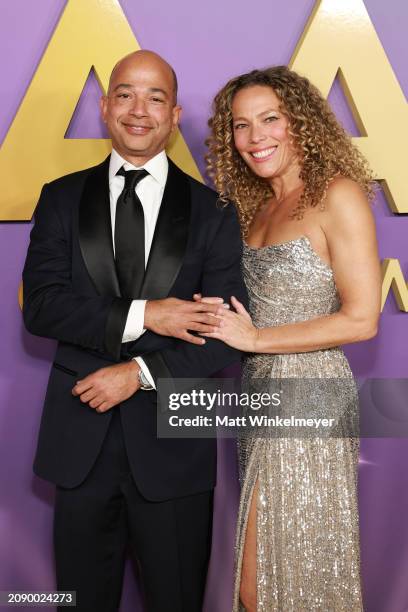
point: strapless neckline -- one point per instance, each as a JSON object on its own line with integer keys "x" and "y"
{"x": 287, "y": 243}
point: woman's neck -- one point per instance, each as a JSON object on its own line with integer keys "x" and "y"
{"x": 286, "y": 184}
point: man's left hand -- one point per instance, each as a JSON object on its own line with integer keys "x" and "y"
{"x": 107, "y": 387}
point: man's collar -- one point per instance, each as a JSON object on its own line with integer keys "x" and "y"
{"x": 157, "y": 167}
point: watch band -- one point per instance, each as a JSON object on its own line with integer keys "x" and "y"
{"x": 144, "y": 383}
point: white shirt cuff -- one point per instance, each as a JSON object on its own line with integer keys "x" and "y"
{"x": 145, "y": 370}
{"x": 135, "y": 321}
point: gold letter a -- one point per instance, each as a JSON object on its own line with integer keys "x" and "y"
{"x": 340, "y": 35}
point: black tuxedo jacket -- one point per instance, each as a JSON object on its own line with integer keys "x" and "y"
{"x": 71, "y": 293}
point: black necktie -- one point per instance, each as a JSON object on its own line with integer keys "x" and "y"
{"x": 129, "y": 235}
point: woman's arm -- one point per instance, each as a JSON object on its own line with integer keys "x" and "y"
{"x": 350, "y": 232}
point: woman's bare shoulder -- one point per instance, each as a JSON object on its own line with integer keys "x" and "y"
{"x": 345, "y": 201}
{"x": 343, "y": 188}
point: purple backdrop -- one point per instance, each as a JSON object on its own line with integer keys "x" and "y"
{"x": 207, "y": 43}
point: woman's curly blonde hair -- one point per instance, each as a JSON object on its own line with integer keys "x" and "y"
{"x": 325, "y": 149}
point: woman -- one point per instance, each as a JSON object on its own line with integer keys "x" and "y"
{"x": 312, "y": 272}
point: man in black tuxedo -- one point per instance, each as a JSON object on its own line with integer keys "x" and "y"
{"x": 116, "y": 253}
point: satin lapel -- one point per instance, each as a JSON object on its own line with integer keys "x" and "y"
{"x": 170, "y": 236}
{"x": 95, "y": 231}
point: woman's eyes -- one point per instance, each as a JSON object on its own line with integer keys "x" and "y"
{"x": 270, "y": 119}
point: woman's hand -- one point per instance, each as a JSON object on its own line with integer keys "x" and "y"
{"x": 236, "y": 328}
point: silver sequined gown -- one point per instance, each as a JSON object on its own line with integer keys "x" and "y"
{"x": 307, "y": 520}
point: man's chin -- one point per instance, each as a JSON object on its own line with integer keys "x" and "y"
{"x": 133, "y": 149}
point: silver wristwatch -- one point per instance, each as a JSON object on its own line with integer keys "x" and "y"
{"x": 144, "y": 383}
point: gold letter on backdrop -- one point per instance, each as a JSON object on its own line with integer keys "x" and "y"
{"x": 393, "y": 278}
{"x": 90, "y": 33}
{"x": 340, "y": 36}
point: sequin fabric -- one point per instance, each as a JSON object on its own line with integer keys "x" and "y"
{"x": 307, "y": 518}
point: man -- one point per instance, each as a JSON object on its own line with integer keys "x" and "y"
{"x": 115, "y": 257}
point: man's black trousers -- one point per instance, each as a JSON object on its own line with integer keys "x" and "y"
{"x": 96, "y": 521}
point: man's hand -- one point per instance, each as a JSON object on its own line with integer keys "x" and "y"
{"x": 197, "y": 297}
{"x": 176, "y": 318}
{"x": 109, "y": 386}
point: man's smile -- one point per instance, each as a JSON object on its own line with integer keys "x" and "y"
{"x": 137, "y": 129}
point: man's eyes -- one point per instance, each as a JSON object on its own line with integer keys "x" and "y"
{"x": 128, "y": 96}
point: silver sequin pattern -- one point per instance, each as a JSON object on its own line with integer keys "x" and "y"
{"x": 307, "y": 517}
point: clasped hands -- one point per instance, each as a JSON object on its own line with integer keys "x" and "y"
{"x": 208, "y": 316}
